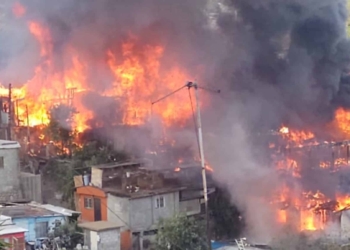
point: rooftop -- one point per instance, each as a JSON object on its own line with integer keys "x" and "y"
{"x": 34, "y": 210}
{"x": 99, "y": 225}
{"x": 11, "y": 229}
{"x": 142, "y": 193}
{"x": 4, "y": 144}
{"x": 120, "y": 164}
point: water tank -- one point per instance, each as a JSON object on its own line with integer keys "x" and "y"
{"x": 86, "y": 179}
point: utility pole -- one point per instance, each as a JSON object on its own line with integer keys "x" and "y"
{"x": 28, "y": 131}
{"x": 201, "y": 152}
{"x": 9, "y": 113}
{"x": 199, "y": 132}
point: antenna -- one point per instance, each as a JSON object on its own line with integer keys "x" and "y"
{"x": 195, "y": 86}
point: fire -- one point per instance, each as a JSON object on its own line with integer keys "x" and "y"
{"x": 282, "y": 216}
{"x": 284, "y": 130}
{"x": 137, "y": 79}
{"x": 342, "y": 120}
{"x": 312, "y": 210}
{"x": 288, "y": 165}
{"x": 308, "y": 222}
{"x": 296, "y": 137}
{"x": 18, "y": 10}
{"x": 343, "y": 201}
{"x": 209, "y": 168}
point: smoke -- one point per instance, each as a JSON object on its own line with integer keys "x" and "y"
{"x": 287, "y": 64}
{"x": 292, "y": 55}
{"x": 276, "y": 61}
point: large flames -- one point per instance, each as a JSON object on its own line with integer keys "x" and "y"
{"x": 137, "y": 78}
{"x": 305, "y": 209}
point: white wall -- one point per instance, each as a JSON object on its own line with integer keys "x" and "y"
{"x": 118, "y": 211}
{"x": 143, "y": 212}
{"x": 9, "y": 175}
{"x": 93, "y": 240}
{"x": 345, "y": 225}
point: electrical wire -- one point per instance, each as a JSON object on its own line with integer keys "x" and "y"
{"x": 166, "y": 96}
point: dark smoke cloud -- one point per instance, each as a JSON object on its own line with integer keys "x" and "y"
{"x": 283, "y": 59}
{"x": 291, "y": 60}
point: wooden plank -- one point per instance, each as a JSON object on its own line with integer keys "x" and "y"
{"x": 78, "y": 181}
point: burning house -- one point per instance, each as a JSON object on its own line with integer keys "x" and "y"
{"x": 315, "y": 179}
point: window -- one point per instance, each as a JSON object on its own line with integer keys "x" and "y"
{"x": 1, "y": 162}
{"x": 41, "y": 229}
{"x": 160, "y": 202}
{"x": 88, "y": 203}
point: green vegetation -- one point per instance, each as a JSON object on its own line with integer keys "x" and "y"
{"x": 181, "y": 233}
{"x": 73, "y": 160}
{"x": 4, "y": 245}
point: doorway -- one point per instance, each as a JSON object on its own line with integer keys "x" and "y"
{"x": 97, "y": 209}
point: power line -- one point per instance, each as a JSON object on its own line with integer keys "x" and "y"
{"x": 166, "y": 96}
{"x": 199, "y": 136}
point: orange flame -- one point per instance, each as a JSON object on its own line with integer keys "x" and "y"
{"x": 296, "y": 137}
{"x": 138, "y": 79}
{"x": 342, "y": 120}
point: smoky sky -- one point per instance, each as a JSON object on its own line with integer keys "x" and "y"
{"x": 288, "y": 60}
{"x": 280, "y": 61}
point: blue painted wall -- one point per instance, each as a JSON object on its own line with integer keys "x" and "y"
{"x": 29, "y": 224}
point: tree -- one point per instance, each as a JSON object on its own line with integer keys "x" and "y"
{"x": 69, "y": 233}
{"x": 181, "y": 233}
{"x": 226, "y": 220}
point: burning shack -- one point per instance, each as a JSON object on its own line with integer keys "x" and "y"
{"x": 314, "y": 177}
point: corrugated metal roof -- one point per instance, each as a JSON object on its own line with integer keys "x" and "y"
{"x": 56, "y": 209}
{"x": 34, "y": 210}
{"x": 119, "y": 164}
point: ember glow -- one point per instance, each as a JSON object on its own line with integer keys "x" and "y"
{"x": 296, "y": 137}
